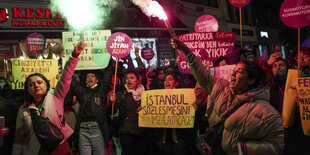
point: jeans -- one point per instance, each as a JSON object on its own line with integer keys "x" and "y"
{"x": 91, "y": 140}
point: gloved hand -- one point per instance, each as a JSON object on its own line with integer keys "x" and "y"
{"x": 178, "y": 44}
{"x": 78, "y": 49}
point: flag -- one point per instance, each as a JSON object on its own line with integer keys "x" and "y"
{"x": 306, "y": 43}
{"x": 264, "y": 55}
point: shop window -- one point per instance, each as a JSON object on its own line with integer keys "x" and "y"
{"x": 141, "y": 43}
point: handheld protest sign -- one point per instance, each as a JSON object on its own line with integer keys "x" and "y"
{"x": 223, "y": 72}
{"x": 239, "y": 4}
{"x": 95, "y": 55}
{"x": 296, "y": 88}
{"x": 207, "y": 46}
{"x": 295, "y": 14}
{"x": 167, "y": 108}
{"x": 35, "y": 42}
{"x": 289, "y": 98}
{"x": 147, "y": 53}
{"x": 21, "y": 68}
{"x": 118, "y": 45}
{"x": 206, "y": 23}
{"x": 303, "y": 92}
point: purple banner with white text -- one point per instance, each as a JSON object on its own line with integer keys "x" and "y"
{"x": 206, "y": 46}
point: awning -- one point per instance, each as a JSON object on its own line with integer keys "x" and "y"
{"x": 131, "y": 21}
{"x": 22, "y": 34}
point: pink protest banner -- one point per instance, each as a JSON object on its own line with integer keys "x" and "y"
{"x": 239, "y": 3}
{"x": 206, "y": 23}
{"x": 206, "y": 46}
{"x": 295, "y": 13}
{"x": 147, "y": 53}
{"x": 35, "y": 42}
{"x": 223, "y": 72}
{"x": 119, "y": 45}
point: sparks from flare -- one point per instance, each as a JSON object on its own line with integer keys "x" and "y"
{"x": 154, "y": 9}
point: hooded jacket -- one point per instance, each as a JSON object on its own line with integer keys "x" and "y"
{"x": 256, "y": 123}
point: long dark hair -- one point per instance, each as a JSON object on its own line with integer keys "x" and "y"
{"x": 176, "y": 78}
{"x": 28, "y": 97}
{"x": 257, "y": 73}
{"x": 136, "y": 75}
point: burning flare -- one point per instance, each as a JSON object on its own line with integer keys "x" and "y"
{"x": 157, "y": 10}
{"x": 154, "y": 9}
{"x": 151, "y": 8}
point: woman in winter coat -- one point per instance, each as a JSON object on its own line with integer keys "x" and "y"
{"x": 128, "y": 101}
{"x": 37, "y": 93}
{"x": 254, "y": 128}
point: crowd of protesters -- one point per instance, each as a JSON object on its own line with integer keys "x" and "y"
{"x": 99, "y": 121}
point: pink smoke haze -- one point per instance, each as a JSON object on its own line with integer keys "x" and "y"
{"x": 157, "y": 10}
{"x": 151, "y": 8}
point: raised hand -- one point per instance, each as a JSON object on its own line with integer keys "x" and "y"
{"x": 78, "y": 49}
{"x": 273, "y": 57}
{"x": 139, "y": 109}
{"x": 178, "y": 44}
{"x": 137, "y": 51}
